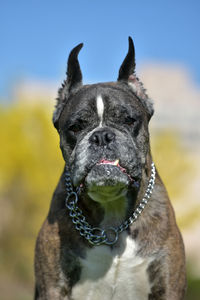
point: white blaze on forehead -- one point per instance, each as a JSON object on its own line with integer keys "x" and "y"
{"x": 100, "y": 108}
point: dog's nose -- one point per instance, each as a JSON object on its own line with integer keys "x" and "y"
{"x": 102, "y": 137}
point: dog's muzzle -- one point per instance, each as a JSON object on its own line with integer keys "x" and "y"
{"x": 102, "y": 159}
{"x": 108, "y": 173}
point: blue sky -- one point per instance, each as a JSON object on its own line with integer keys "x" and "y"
{"x": 36, "y": 37}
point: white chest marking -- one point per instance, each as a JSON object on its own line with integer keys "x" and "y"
{"x": 100, "y": 109}
{"x": 113, "y": 274}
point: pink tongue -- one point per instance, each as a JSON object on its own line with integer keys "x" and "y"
{"x": 114, "y": 163}
{"x": 108, "y": 162}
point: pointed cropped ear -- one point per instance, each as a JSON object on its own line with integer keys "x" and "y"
{"x": 74, "y": 75}
{"x": 128, "y": 66}
{"x": 127, "y": 75}
{"x": 72, "y": 82}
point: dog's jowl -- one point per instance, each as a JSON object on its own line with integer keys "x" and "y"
{"x": 111, "y": 231}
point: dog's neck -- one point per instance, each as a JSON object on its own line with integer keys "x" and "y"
{"x": 111, "y": 212}
{"x": 114, "y": 203}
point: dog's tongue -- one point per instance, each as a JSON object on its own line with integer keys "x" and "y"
{"x": 109, "y": 162}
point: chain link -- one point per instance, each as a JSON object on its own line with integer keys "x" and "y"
{"x": 95, "y": 235}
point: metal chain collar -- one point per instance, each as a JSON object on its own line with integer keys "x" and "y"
{"x": 95, "y": 235}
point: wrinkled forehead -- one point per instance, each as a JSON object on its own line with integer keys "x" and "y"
{"x": 101, "y": 96}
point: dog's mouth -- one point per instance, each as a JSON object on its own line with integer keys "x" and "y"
{"x": 116, "y": 164}
{"x": 108, "y": 173}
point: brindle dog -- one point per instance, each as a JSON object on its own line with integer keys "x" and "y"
{"x": 111, "y": 231}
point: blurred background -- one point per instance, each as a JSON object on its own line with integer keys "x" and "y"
{"x": 35, "y": 38}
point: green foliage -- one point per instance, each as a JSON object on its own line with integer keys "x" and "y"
{"x": 177, "y": 168}
{"x": 193, "y": 290}
{"x": 172, "y": 161}
{"x": 30, "y": 166}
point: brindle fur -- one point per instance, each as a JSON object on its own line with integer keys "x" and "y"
{"x": 59, "y": 245}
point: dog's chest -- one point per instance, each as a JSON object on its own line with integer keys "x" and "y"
{"x": 113, "y": 274}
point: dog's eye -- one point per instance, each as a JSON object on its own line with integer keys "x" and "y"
{"x": 130, "y": 121}
{"x": 75, "y": 128}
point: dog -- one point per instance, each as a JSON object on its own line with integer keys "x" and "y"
{"x": 110, "y": 232}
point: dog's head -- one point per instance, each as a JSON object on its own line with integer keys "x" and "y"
{"x": 104, "y": 129}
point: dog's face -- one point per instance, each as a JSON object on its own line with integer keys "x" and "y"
{"x": 104, "y": 131}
